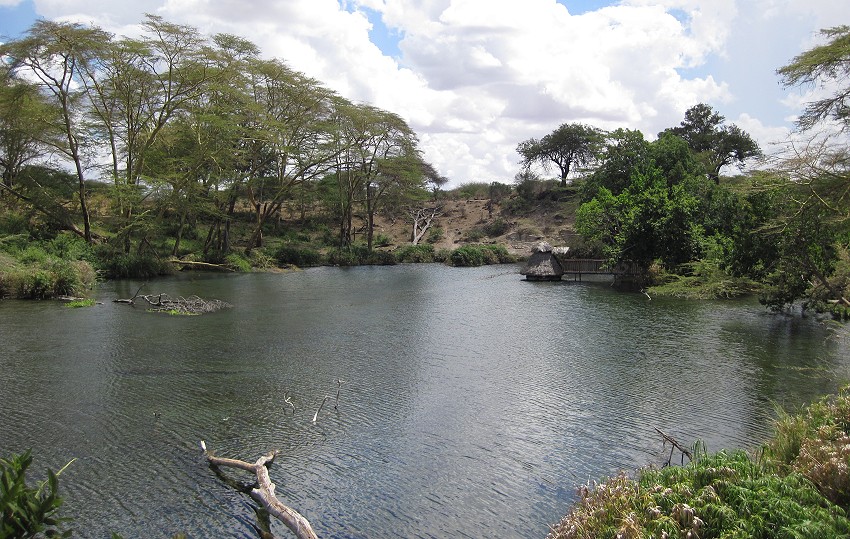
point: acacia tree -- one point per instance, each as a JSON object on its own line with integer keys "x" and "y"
{"x": 60, "y": 57}
{"x": 828, "y": 63}
{"x": 23, "y": 111}
{"x": 295, "y": 113}
{"x": 716, "y": 145}
{"x": 567, "y": 147}
{"x": 135, "y": 90}
{"x": 387, "y": 160}
{"x": 819, "y": 170}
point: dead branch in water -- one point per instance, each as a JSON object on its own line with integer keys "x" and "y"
{"x": 178, "y": 305}
{"x": 673, "y": 446}
{"x": 263, "y": 491}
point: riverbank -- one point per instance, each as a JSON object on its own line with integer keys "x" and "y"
{"x": 796, "y": 485}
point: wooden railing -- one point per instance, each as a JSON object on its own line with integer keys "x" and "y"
{"x": 594, "y": 266}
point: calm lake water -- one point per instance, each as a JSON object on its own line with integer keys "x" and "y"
{"x": 473, "y": 404}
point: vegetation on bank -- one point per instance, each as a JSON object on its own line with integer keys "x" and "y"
{"x": 796, "y": 486}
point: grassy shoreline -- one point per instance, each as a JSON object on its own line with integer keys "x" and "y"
{"x": 797, "y": 485}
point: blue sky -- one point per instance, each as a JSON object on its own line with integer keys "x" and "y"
{"x": 476, "y": 77}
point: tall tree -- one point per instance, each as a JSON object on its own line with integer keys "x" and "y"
{"x": 567, "y": 147}
{"x": 60, "y": 57}
{"x": 24, "y": 115}
{"x": 716, "y": 145}
{"x": 295, "y": 112}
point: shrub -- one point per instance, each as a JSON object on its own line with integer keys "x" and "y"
{"x": 496, "y": 228}
{"x": 359, "y": 255}
{"x": 474, "y": 234}
{"x": 382, "y": 240}
{"x": 816, "y": 444}
{"x": 237, "y": 262}
{"x": 435, "y": 234}
{"x": 28, "y": 511}
{"x": 415, "y": 253}
{"x": 479, "y": 255}
{"x": 298, "y": 256}
{"x": 119, "y": 265}
{"x": 720, "y": 495}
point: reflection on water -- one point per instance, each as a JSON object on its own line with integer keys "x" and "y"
{"x": 474, "y": 402}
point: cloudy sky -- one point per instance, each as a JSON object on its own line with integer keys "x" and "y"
{"x": 475, "y": 77}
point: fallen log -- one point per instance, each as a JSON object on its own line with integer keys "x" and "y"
{"x": 263, "y": 491}
{"x": 200, "y": 265}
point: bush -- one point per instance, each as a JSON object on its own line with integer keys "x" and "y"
{"x": 435, "y": 234}
{"x": 382, "y": 240}
{"x": 816, "y": 444}
{"x": 720, "y": 495}
{"x": 237, "y": 262}
{"x": 479, "y": 255}
{"x": 119, "y": 265}
{"x": 415, "y": 253}
{"x": 28, "y": 511}
{"x": 799, "y": 487}
{"x": 359, "y": 255}
{"x": 302, "y": 257}
{"x": 496, "y": 228}
{"x": 473, "y": 234}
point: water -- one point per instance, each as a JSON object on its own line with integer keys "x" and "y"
{"x": 473, "y": 402}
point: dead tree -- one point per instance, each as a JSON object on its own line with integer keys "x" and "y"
{"x": 674, "y": 445}
{"x": 263, "y": 491}
{"x": 422, "y": 218}
{"x": 178, "y": 305}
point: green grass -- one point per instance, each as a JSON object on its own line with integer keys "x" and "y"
{"x": 76, "y": 304}
{"x": 798, "y": 486}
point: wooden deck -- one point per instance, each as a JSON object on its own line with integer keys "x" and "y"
{"x": 593, "y": 266}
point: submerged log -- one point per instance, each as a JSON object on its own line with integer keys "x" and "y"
{"x": 263, "y": 491}
{"x": 200, "y": 265}
{"x": 178, "y": 305}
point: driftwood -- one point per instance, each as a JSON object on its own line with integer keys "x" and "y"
{"x": 200, "y": 265}
{"x": 179, "y": 305}
{"x": 263, "y": 491}
{"x": 674, "y": 445}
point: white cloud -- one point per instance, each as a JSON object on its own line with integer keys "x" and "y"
{"x": 475, "y": 77}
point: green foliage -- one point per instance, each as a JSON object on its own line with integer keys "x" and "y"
{"x": 816, "y": 444}
{"x": 358, "y": 255}
{"x": 496, "y": 227}
{"x": 435, "y": 234}
{"x": 721, "y": 495}
{"x": 382, "y": 240}
{"x": 38, "y": 275}
{"x": 474, "y": 234}
{"x": 799, "y": 487}
{"x": 415, "y": 253}
{"x": 479, "y": 255}
{"x": 28, "y": 511}
{"x": 237, "y": 262}
{"x": 569, "y": 147}
{"x": 470, "y": 190}
{"x": 116, "y": 264}
{"x": 300, "y": 256}
{"x": 822, "y": 66}
{"x": 79, "y": 303}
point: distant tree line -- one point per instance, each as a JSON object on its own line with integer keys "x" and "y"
{"x": 175, "y": 125}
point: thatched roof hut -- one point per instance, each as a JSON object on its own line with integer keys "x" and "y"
{"x": 542, "y": 265}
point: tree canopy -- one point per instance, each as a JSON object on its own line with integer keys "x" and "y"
{"x": 567, "y": 147}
